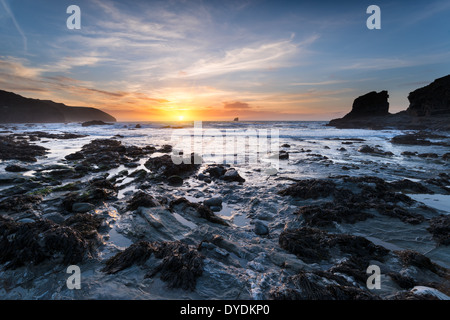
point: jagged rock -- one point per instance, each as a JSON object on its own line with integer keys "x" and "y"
{"x": 82, "y": 207}
{"x": 313, "y": 245}
{"x": 181, "y": 265}
{"x": 440, "y": 229}
{"x": 231, "y": 175}
{"x": 95, "y": 123}
{"x": 141, "y": 199}
{"x": 32, "y": 243}
{"x": 216, "y": 201}
{"x": 175, "y": 181}
{"x": 261, "y": 229}
{"x": 15, "y": 168}
{"x": 329, "y": 213}
{"x": 202, "y": 210}
{"x": 164, "y": 165}
{"x": 11, "y": 149}
{"x": 433, "y": 99}
{"x": 310, "y": 189}
{"x": 373, "y": 150}
{"x": 402, "y": 281}
{"x": 20, "y": 203}
{"x": 319, "y": 286}
{"x": 369, "y": 105}
{"x": 412, "y": 258}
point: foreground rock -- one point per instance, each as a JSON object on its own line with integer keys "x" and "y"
{"x": 12, "y": 149}
{"x": 180, "y": 267}
{"x": 23, "y": 244}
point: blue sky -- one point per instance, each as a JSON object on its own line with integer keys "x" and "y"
{"x": 213, "y": 60}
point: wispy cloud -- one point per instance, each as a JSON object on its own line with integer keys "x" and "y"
{"x": 16, "y": 24}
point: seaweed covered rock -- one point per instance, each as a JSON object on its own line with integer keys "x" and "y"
{"x": 96, "y": 191}
{"x": 13, "y": 149}
{"x": 440, "y": 229}
{"x": 310, "y": 189}
{"x": 319, "y": 286}
{"x": 202, "y": 210}
{"x": 20, "y": 203}
{"x": 314, "y": 245}
{"x": 165, "y": 166}
{"x": 180, "y": 267}
{"x": 416, "y": 259}
{"x": 32, "y": 243}
{"x": 141, "y": 199}
{"x": 330, "y": 212}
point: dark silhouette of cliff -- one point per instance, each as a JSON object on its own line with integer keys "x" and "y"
{"x": 429, "y": 109}
{"x": 17, "y": 109}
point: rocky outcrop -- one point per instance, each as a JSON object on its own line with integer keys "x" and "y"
{"x": 434, "y": 99}
{"x": 17, "y": 109}
{"x": 370, "y": 104}
{"x": 429, "y": 109}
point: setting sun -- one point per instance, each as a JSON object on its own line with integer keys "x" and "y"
{"x": 180, "y": 118}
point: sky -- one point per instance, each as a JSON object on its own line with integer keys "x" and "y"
{"x": 217, "y": 60}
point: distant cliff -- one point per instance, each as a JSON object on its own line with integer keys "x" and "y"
{"x": 17, "y": 109}
{"x": 429, "y": 109}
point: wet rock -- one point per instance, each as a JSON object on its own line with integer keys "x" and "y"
{"x": 310, "y": 189}
{"x": 165, "y": 166}
{"x": 261, "y": 229}
{"x": 313, "y": 245}
{"x": 74, "y": 156}
{"x": 165, "y": 149}
{"x": 408, "y": 153}
{"x": 446, "y": 156}
{"x": 138, "y": 126}
{"x": 175, "y": 181}
{"x": 180, "y": 267}
{"x": 342, "y": 149}
{"x": 215, "y": 171}
{"x": 232, "y": 175}
{"x": 402, "y": 281}
{"x": 32, "y": 243}
{"x": 11, "y": 149}
{"x": 373, "y": 150}
{"x": 95, "y": 123}
{"x": 283, "y": 155}
{"x": 202, "y": 210}
{"x": 216, "y": 201}
{"x": 141, "y": 199}
{"x": 82, "y": 207}
{"x": 86, "y": 224}
{"x": 428, "y": 155}
{"x": 329, "y": 213}
{"x": 15, "y": 168}
{"x": 20, "y": 203}
{"x": 413, "y": 258}
{"x": 319, "y": 286}
{"x": 285, "y": 145}
{"x": 440, "y": 229}
{"x": 409, "y": 186}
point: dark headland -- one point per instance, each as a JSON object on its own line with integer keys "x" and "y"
{"x": 429, "y": 108}
{"x": 17, "y": 109}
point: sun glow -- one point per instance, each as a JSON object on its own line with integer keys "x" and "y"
{"x": 180, "y": 118}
